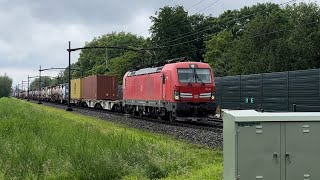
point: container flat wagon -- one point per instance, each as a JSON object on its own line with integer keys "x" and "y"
{"x": 100, "y": 92}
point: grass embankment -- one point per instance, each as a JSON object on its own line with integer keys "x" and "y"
{"x": 38, "y": 142}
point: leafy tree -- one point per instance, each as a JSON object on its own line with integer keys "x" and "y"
{"x": 304, "y": 39}
{"x": 120, "y": 65}
{"x": 5, "y": 86}
{"x": 259, "y": 51}
{"x": 45, "y": 81}
{"x": 202, "y": 28}
{"x": 103, "y": 61}
{"x": 274, "y": 39}
{"x": 168, "y": 29}
{"x": 220, "y": 50}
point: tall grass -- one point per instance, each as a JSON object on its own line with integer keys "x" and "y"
{"x": 38, "y": 142}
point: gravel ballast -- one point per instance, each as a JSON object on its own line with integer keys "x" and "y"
{"x": 210, "y": 138}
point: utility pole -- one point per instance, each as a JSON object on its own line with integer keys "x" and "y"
{"x": 69, "y": 108}
{"x": 28, "y": 88}
{"x": 22, "y": 82}
{"x": 18, "y": 91}
{"x": 39, "y": 86}
{"x": 59, "y": 68}
{"x": 29, "y": 77}
{"x": 92, "y": 47}
{"x": 21, "y": 88}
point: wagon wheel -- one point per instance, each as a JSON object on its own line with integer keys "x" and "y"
{"x": 171, "y": 117}
{"x": 117, "y": 108}
{"x": 133, "y": 112}
{"x": 140, "y": 113}
{"x": 84, "y": 105}
{"x": 98, "y": 106}
{"x": 164, "y": 116}
{"x": 126, "y": 110}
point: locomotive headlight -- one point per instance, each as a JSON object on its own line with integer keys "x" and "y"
{"x": 176, "y": 95}
{"x": 213, "y": 96}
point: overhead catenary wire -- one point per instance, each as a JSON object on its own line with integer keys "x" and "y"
{"x": 154, "y": 48}
{"x": 188, "y": 34}
{"x": 194, "y": 5}
{"x": 199, "y": 31}
{"x": 189, "y": 41}
{"x": 207, "y": 6}
{"x": 208, "y": 28}
{"x": 283, "y": 30}
{"x": 259, "y": 35}
{"x": 255, "y": 36}
{"x": 194, "y": 13}
{"x": 272, "y": 32}
{"x": 187, "y": 52}
{"x": 197, "y": 4}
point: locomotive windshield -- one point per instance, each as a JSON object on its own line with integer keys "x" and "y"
{"x": 194, "y": 75}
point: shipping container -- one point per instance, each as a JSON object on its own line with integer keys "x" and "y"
{"x": 76, "y": 89}
{"x": 65, "y": 91}
{"x": 100, "y": 87}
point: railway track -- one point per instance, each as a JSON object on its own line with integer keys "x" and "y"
{"x": 201, "y": 134}
{"x": 195, "y": 125}
{"x": 214, "y": 124}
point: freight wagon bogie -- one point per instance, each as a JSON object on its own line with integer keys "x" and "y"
{"x": 145, "y": 110}
{"x": 77, "y": 102}
{"x": 171, "y": 112}
{"x": 101, "y": 104}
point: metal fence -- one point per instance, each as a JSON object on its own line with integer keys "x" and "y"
{"x": 279, "y": 91}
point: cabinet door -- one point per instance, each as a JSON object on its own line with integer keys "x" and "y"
{"x": 258, "y": 147}
{"x": 302, "y": 150}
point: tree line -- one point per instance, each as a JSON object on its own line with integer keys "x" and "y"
{"x": 5, "y": 86}
{"x": 258, "y": 39}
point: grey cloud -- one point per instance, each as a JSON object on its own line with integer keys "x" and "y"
{"x": 83, "y": 11}
{"x": 99, "y": 12}
{"x": 36, "y": 32}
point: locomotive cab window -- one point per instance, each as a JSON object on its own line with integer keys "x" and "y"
{"x": 203, "y": 75}
{"x": 194, "y": 75}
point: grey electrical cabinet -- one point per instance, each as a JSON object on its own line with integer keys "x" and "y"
{"x": 271, "y": 146}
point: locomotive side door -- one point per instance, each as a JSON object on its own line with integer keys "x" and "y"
{"x": 164, "y": 79}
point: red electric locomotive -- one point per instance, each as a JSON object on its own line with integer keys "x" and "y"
{"x": 183, "y": 91}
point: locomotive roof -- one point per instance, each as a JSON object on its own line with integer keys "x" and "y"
{"x": 145, "y": 71}
{"x": 159, "y": 69}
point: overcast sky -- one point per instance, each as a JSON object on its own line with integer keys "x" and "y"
{"x": 34, "y": 33}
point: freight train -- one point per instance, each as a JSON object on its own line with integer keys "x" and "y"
{"x": 181, "y": 91}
